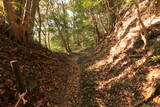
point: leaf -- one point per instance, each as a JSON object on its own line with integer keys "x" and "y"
{"x": 31, "y": 86}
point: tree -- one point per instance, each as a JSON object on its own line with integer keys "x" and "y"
{"x": 20, "y": 16}
{"x": 40, "y": 24}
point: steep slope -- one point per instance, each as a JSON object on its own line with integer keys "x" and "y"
{"x": 50, "y": 79}
{"x": 120, "y": 73}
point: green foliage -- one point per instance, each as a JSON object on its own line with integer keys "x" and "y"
{"x": 158, "y": 49}
{"x": 89, "y": 3}
{"x": 155, "y": 43}
{"x": 31, "y": 86}
{"x": 16, "y": 4}
{"x": 1, "y": 8}
{"x": 1, "y": 4}
{"x": 128, "y": 1}
{"x": 74, "y": 21}
{"x": 155, "y": 58}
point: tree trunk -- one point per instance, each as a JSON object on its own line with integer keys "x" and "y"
{"x": 101, "y": 21}
{"x": 48, "y": 35}
{"x": 21, "y": 20}
{"x": 45, "y": 39}
{"x": 12, "y": 19}
{"x": 62, "y": 37}
{"x": 40, "y": 25}
{"x": 35, "y": 4}
{"x": 96, "y": 30}
{"x": 111, "y": 14}
{"x": 65, "y": 27}
{"x": 144, "y": 29}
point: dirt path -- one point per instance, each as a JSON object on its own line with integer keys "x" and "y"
{"x": 87, "y": 83}
{"x": 113, "y": 87}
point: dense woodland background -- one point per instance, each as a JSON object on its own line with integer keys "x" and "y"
{"x": 66, "y": 25}
{"x": 79, "y": 53}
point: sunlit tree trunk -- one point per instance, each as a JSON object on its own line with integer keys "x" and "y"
{"x": 40, "y": 25}
{"x": 48, "y": 34}
{"x": 61, "y": 35}
{"x": 95, "y": 26}
{"x": 12, "y": 19}
{"x": 65, "y": 27}
{"x": 45, "y": 39}
{"x": 103, "y": 25}
{"x": 111, "y": 14}
{"x": 21, "y": 20}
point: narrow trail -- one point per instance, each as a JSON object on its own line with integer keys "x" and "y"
{"x": 87, "y": 84}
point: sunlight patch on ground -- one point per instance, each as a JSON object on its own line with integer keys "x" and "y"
{"x": 152, "y": 20}
{"x": 100, "y": 102}
{"x": 152, "y": 79}
{"x": 127, "y": 73}
{"x": 97, "y": 65}
{"x": 124, "y": 44}
{"x": 121, "y": 57}
{"x": 125, "y": 25}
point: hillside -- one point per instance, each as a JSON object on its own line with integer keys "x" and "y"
{"x": 120, "y": 73}
{"x": 50, "y": 78}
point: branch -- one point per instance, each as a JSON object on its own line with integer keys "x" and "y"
{"x": 144, "y": 29}
{"x": 18, "y": 75}
{"x": 21, "y": 97}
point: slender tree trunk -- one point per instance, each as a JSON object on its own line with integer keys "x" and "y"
{"x": 65, "y": 27}
{"x": 58, "y": 24}
{"x": 48, "y": 33}
{"x": 45, "y": 39}
{"x": 95, "y": 25}
{"x": 49, "y": 45}
{"x": 68, "y": 45}
{"x": 35, "y": 4}
{"x": 144, "y": 29}
{"x": 62, "y": 37}
{"x": 111, "y": 14}
{"x": 40, "y": 25}
{"x": 105, "y": 29}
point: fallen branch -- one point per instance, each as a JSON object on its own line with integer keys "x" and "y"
{"x": 144, "y": 29}
{"x": 20, "y": 82}
{"x": 18, "y": 75}
{"x": 21, "y": 98}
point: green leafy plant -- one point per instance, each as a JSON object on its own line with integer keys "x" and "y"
{"x": 31, "y": 86}
{"x": 158, "y": 49}
{"x": 155, "y": 58}
{"x": 155, "y": 43}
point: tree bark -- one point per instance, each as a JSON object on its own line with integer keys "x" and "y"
{"x": 65, "y": 27}
{"x": 111, "y": 14}
{"x": 21, "y": 24}
{"x": 48, "y": 34}
{"x": 40, "y": 25}
{"x": 12, "y": 19}
{"x": 101, "y": 21}
{"x": 95, "y": 26}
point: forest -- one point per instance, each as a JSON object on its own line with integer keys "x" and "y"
{"x": 79, "y": 53}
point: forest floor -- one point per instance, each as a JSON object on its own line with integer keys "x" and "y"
{"x": 112, "y": 88}
{"x": 50, "y": 78}
{"x": 117, "y": 73}
{"x": 101, "y": 85}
